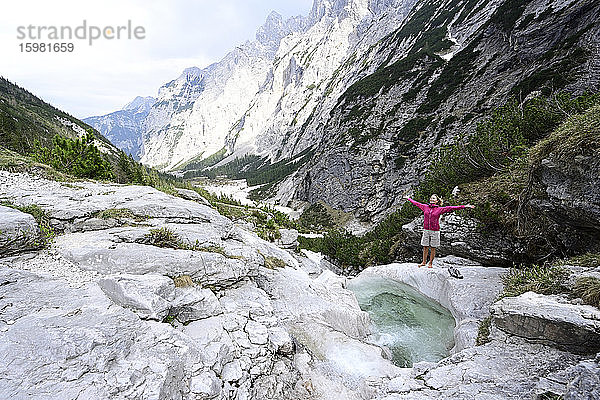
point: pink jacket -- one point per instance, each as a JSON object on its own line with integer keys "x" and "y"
{"x": 432, "y": 214}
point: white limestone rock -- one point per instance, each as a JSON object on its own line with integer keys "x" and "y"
{"x": 550, "y": 319}
{"x": 193, "y": 303}
{"x": 60, "y": 340}
{"x": 289, "y": 238}
{"x": 257, "y": 332}
{"x": 192, "y": 195}
{"x": 112, "y": 251}
{"x": 18, "y": 232}
{"x": 149, "y": 296}
{"x": 281, "y": 341}
{"x": 214, "y": 342}
{"x": 205, "y": 386}
{"x": 232, "y": 371}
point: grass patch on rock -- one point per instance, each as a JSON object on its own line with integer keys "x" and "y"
{"x": 167, "y": 238}
{"x": 483, "y": 333}
{"x": 274, "y": 262}
{"x": 163, "y": 237}
{"x": 587, "y": 260}
{"x": 183, "y": 281}
{"x": 546, "y": 279}
{"x": 119, "y": 213}
{"x": 588, "y": 289}
{"x": 579, "y": 136}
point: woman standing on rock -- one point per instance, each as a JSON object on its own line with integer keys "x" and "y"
{"x": 431, "y": 224}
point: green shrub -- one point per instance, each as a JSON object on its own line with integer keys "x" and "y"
{"x": 169, "y": 319}
{"x": 269, "y": 231}
{"x": 163, "y": 237}
{"x": 315, "y": 218}
{"x": 79, "y": 157}
{"x": 588, "y": 288}
{"x": 547, "y": 279}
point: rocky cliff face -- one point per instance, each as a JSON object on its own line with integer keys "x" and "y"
{"x": 123, "y": 127}
{"x": 195, "y": 113}
{"x": 259, "y": 94}
{"x": 429, "y": 84}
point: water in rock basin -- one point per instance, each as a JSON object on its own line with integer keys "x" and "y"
{"x": 413, "y": 327}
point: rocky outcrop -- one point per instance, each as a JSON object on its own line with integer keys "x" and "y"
{"x": 149, "y": 296}
{"x": 207, "y": 320}
{"x": 566, "y": 179}
{"x": 103, "y": 313}
{"x": 507, "y": 368}
{"x": 18, "y": 232}
{"x": 577, "y": 382}
{"x": 550, "y": 319}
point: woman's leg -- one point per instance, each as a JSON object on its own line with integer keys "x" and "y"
{"x": 432, "y": 257}
{"x": 425, "y": 253}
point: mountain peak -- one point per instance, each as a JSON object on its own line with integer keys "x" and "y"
{"x": 140, "y": 103}
{"x": 191, "y": 71}
{"x": 275, "y": 28}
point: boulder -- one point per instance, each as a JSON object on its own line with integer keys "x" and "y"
{"x": 288, "y": 239}
{"x": 149, "y": 296}
{"x": 18, "y": 232}
{"x": 550, "y": 319}
{"x": 193, "y": 303}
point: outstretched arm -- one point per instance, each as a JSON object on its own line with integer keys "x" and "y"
{"x": 454, "y": 208}
{"x": 416, "y": 203}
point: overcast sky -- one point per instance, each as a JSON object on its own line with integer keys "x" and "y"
{"x": 103, "y": 77}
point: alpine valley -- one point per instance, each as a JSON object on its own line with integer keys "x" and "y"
{"x": 369, "y": 88}
{"x": 125, "y": 273}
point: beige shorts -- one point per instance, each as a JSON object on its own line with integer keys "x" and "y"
{"x": 430, "y": 238}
